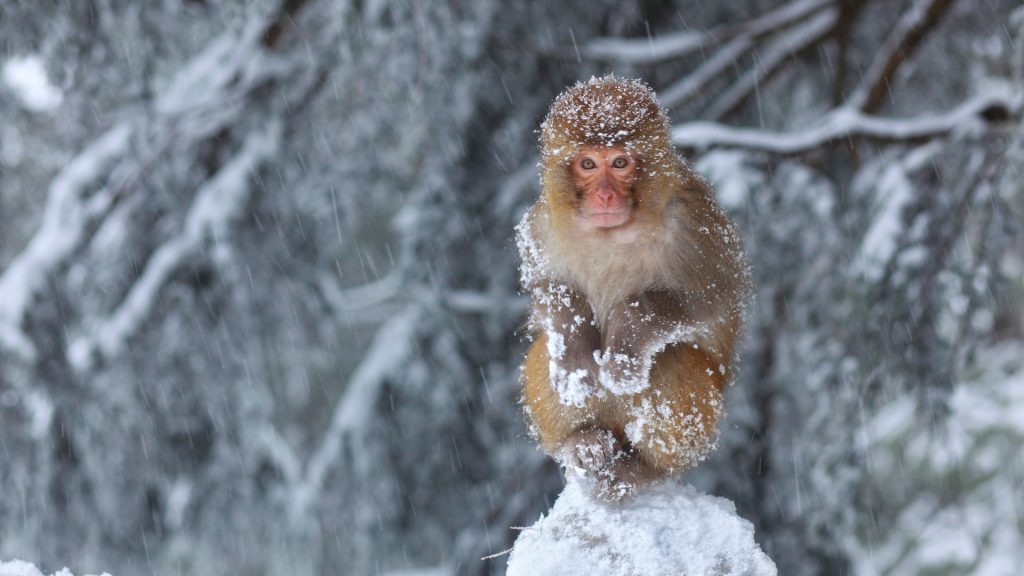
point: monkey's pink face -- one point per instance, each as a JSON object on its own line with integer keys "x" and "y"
{"x": 604, "y": 184}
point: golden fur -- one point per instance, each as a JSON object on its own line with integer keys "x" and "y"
{"x": 683, "y": 379}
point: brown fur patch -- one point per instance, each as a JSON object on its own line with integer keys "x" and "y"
{"x": 678, "y": 241}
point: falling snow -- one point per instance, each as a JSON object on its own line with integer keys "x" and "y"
{"x": 260, "y": 309}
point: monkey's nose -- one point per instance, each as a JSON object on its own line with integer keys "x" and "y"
{"x": 605, "y": 193}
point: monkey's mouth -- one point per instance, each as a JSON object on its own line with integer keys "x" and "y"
{"x": 606, "y": 218}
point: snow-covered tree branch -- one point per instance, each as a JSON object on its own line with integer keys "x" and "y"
{"x": 846, "y": 123}
{"x": 63, "y": 228}
{"x": 217, "y": 204}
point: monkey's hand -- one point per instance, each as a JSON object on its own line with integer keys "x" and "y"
{"x": 612, "y": 471}
{"x": 567, "y": 321}
{"x": 590, "y": 451}
{"x": 636, "y": 330}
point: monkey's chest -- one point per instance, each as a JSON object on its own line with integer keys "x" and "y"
{"x": 610, "y": 275}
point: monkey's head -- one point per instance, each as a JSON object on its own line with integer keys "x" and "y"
{"x": 606, "y": 154}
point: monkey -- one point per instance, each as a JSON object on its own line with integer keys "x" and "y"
{"x": 638, "y": 283}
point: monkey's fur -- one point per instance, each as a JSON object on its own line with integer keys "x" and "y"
{"x": 634, "y": 325}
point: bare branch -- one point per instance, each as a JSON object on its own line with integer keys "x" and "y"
{"x": 849, "y": 13}
{"x": 771, "y": 60}
{"x": 679, "y": 44}
{"x": 904, "y": 39}
{"x": 781, "y": 17}
{"x": 743, "y": 39}
{"x": 274, "y": 30}
{"x": 278, "y": 450}
{"x": 367, "y": 304}
{"x": 845, "y": 123}
{"x": 690, "y": 85}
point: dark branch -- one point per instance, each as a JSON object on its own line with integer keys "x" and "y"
{"x": 275, "y": 28}
{"x": 742, "y": 38}
{"x": 849, "y": 13}
{"x": 906, "y": 37}
{"x": 772, "y": 58}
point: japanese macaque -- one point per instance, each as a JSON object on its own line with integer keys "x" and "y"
{"x": 638, "y": 283}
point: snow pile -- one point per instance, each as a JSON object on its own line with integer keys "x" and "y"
{"x": 670, "y": 529}
{"x": 21, "y": 568}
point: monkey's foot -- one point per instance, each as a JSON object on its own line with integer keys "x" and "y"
{"x": 591, "y": 451}
{"x": 621, "y": 481}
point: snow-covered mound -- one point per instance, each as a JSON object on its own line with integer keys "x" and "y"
{"x": 21, "y": 568}
{"x": 669, "y": 530}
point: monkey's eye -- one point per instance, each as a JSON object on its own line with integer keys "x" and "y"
{"x": 620, "y": 162}
{"x": 587, "y": 164}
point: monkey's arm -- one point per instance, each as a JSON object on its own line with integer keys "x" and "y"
{"x": 560, "y": 312}
{"x": 640, "y": 326}
{"x": 566, "y": 318}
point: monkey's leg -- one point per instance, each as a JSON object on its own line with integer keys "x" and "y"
{"x": 673, "y": 424}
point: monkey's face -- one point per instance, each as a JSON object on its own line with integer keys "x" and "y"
{"x": 608, "y": 162}
{"x": 603, "y": 178}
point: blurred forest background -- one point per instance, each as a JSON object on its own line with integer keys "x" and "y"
{"x": 258, "y": 293}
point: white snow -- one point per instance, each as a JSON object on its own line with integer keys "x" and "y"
{"x": 573, "y": 387}
{"x": 894, "y": 193}
{"x": 534, "y": 261}
{"x": 728, "y": 171}
{"x": 40, "y": 409}
{"x": 632, "y": 375}
{"x": 217, "y": 203}
{"x": 647, "y": 50}
{"x": 25, "y": 76}
{"x": 63, "y": 225}
{"x": 22, "y": 568}
{"x": 669, "y": 529}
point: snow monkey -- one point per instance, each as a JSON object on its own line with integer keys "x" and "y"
{"x": 637, "y": 281}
